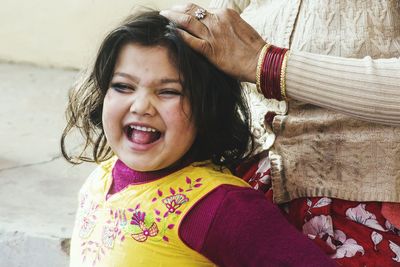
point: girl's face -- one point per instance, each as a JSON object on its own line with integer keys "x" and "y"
{"x": 146, "y": 117}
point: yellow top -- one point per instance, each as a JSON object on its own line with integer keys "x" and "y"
{"x": 139, "y": 225}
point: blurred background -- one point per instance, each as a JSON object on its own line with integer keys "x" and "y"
{"x": 44, "y": 45}
{"x": 62, "y": 33}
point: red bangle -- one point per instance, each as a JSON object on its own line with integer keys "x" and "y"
{"x": 271, "y": 73}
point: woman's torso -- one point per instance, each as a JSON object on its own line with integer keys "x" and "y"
{"x": 318, "y": 151}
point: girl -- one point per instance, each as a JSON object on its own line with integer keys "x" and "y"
{"x": 164, "y": 124}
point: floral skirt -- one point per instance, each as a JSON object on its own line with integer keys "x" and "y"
{"x": 351, "y": 233}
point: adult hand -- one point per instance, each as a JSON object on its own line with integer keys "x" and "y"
{"x": 222, "y": 36}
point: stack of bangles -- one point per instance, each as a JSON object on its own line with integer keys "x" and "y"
{"x": 271, "y": 72}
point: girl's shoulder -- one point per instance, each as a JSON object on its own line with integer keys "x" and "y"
{"x": 217, "y": 174}
{"x": 101, "y": 174}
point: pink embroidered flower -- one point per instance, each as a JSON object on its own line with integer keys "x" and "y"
{"x": 174, "y": 202}
{"x": 138, "y": 218}
{"x": 361, "y": 215}
{"x": 146, "y": 232}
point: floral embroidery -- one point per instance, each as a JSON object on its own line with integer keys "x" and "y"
{"x": 142, "y": 228}
{"x": 87, "y": 217}
{"x": 174, "y": 202}
{"x": 110, "y": 232}
{"x": 93, "y": 248}
{"x": 113, "y": 227}
{"x": 361, "y": 215}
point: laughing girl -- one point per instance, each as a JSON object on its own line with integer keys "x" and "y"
{"x": 165, "y": 127}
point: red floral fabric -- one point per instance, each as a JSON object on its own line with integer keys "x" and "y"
{"x": 355, "y": 234}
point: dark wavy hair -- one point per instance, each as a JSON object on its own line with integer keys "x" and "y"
{"x": 218, "y": 107}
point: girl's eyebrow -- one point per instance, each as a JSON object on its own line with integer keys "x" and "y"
{"x": 135, "y": 79}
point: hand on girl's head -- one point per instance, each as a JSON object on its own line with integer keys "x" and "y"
{"x": 146, "y": 116}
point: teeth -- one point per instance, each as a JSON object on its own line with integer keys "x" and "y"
{"x": 142, "y": 128}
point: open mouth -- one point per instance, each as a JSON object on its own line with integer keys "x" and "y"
{"x": 141, "y": 134}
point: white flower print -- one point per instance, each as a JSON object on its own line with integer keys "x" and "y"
{"x": 309, "y": 203}
{"x": 262, "y": 175}
{"x": 376, "y": 239}
{"x": 318, "y": 226}
{"x": 390, "y": 227}
{"x": 323, "y": 202}
{"x": 264, "y": 179}
{"x": 263, "y": 166}
{"x": 348, "y": 248}
{"x": 396, "y": 249}
{"x": 360, "y": 215}
{"x": 320, "y": 203}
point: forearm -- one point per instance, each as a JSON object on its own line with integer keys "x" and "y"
{"x": 237, "y": 5}
{"x": 363, "y": 88}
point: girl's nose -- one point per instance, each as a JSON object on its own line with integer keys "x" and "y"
{"x": 142, "y": 104}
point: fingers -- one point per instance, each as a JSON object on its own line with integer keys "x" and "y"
{"x": 194, "y": 33}
{"x": 186, "y": 22}
{"x": 195, "y": 43}
{"x": 185, "y": 17}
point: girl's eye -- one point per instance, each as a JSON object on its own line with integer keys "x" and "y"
{"x": 170, "y": 92}
{"x": 122, "y": 87}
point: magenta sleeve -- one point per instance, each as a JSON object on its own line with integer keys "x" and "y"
{"x": 234, "y": 226}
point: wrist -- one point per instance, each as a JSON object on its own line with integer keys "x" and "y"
{"x": 260, "y": 62}
{"x": 248, "y": 75}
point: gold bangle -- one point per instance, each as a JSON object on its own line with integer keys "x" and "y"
{"x": 259, "y": 66}
{"x": 283, "y": 74}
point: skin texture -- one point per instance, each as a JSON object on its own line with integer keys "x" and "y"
{"x": 210, "y": 36}
{"x": 146, "y": 91}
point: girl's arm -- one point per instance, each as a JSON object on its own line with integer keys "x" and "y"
{"x": 235, "y": 226}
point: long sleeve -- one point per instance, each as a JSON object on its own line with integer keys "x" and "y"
{"x": 245, "y": 229}
{"x": 237, "y": 5}
{"x": 363, "y": 88}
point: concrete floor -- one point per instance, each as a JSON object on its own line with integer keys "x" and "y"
{"x": 38, "y": 188}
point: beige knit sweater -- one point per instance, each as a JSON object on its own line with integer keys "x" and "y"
{"x": 340, "y": 136}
